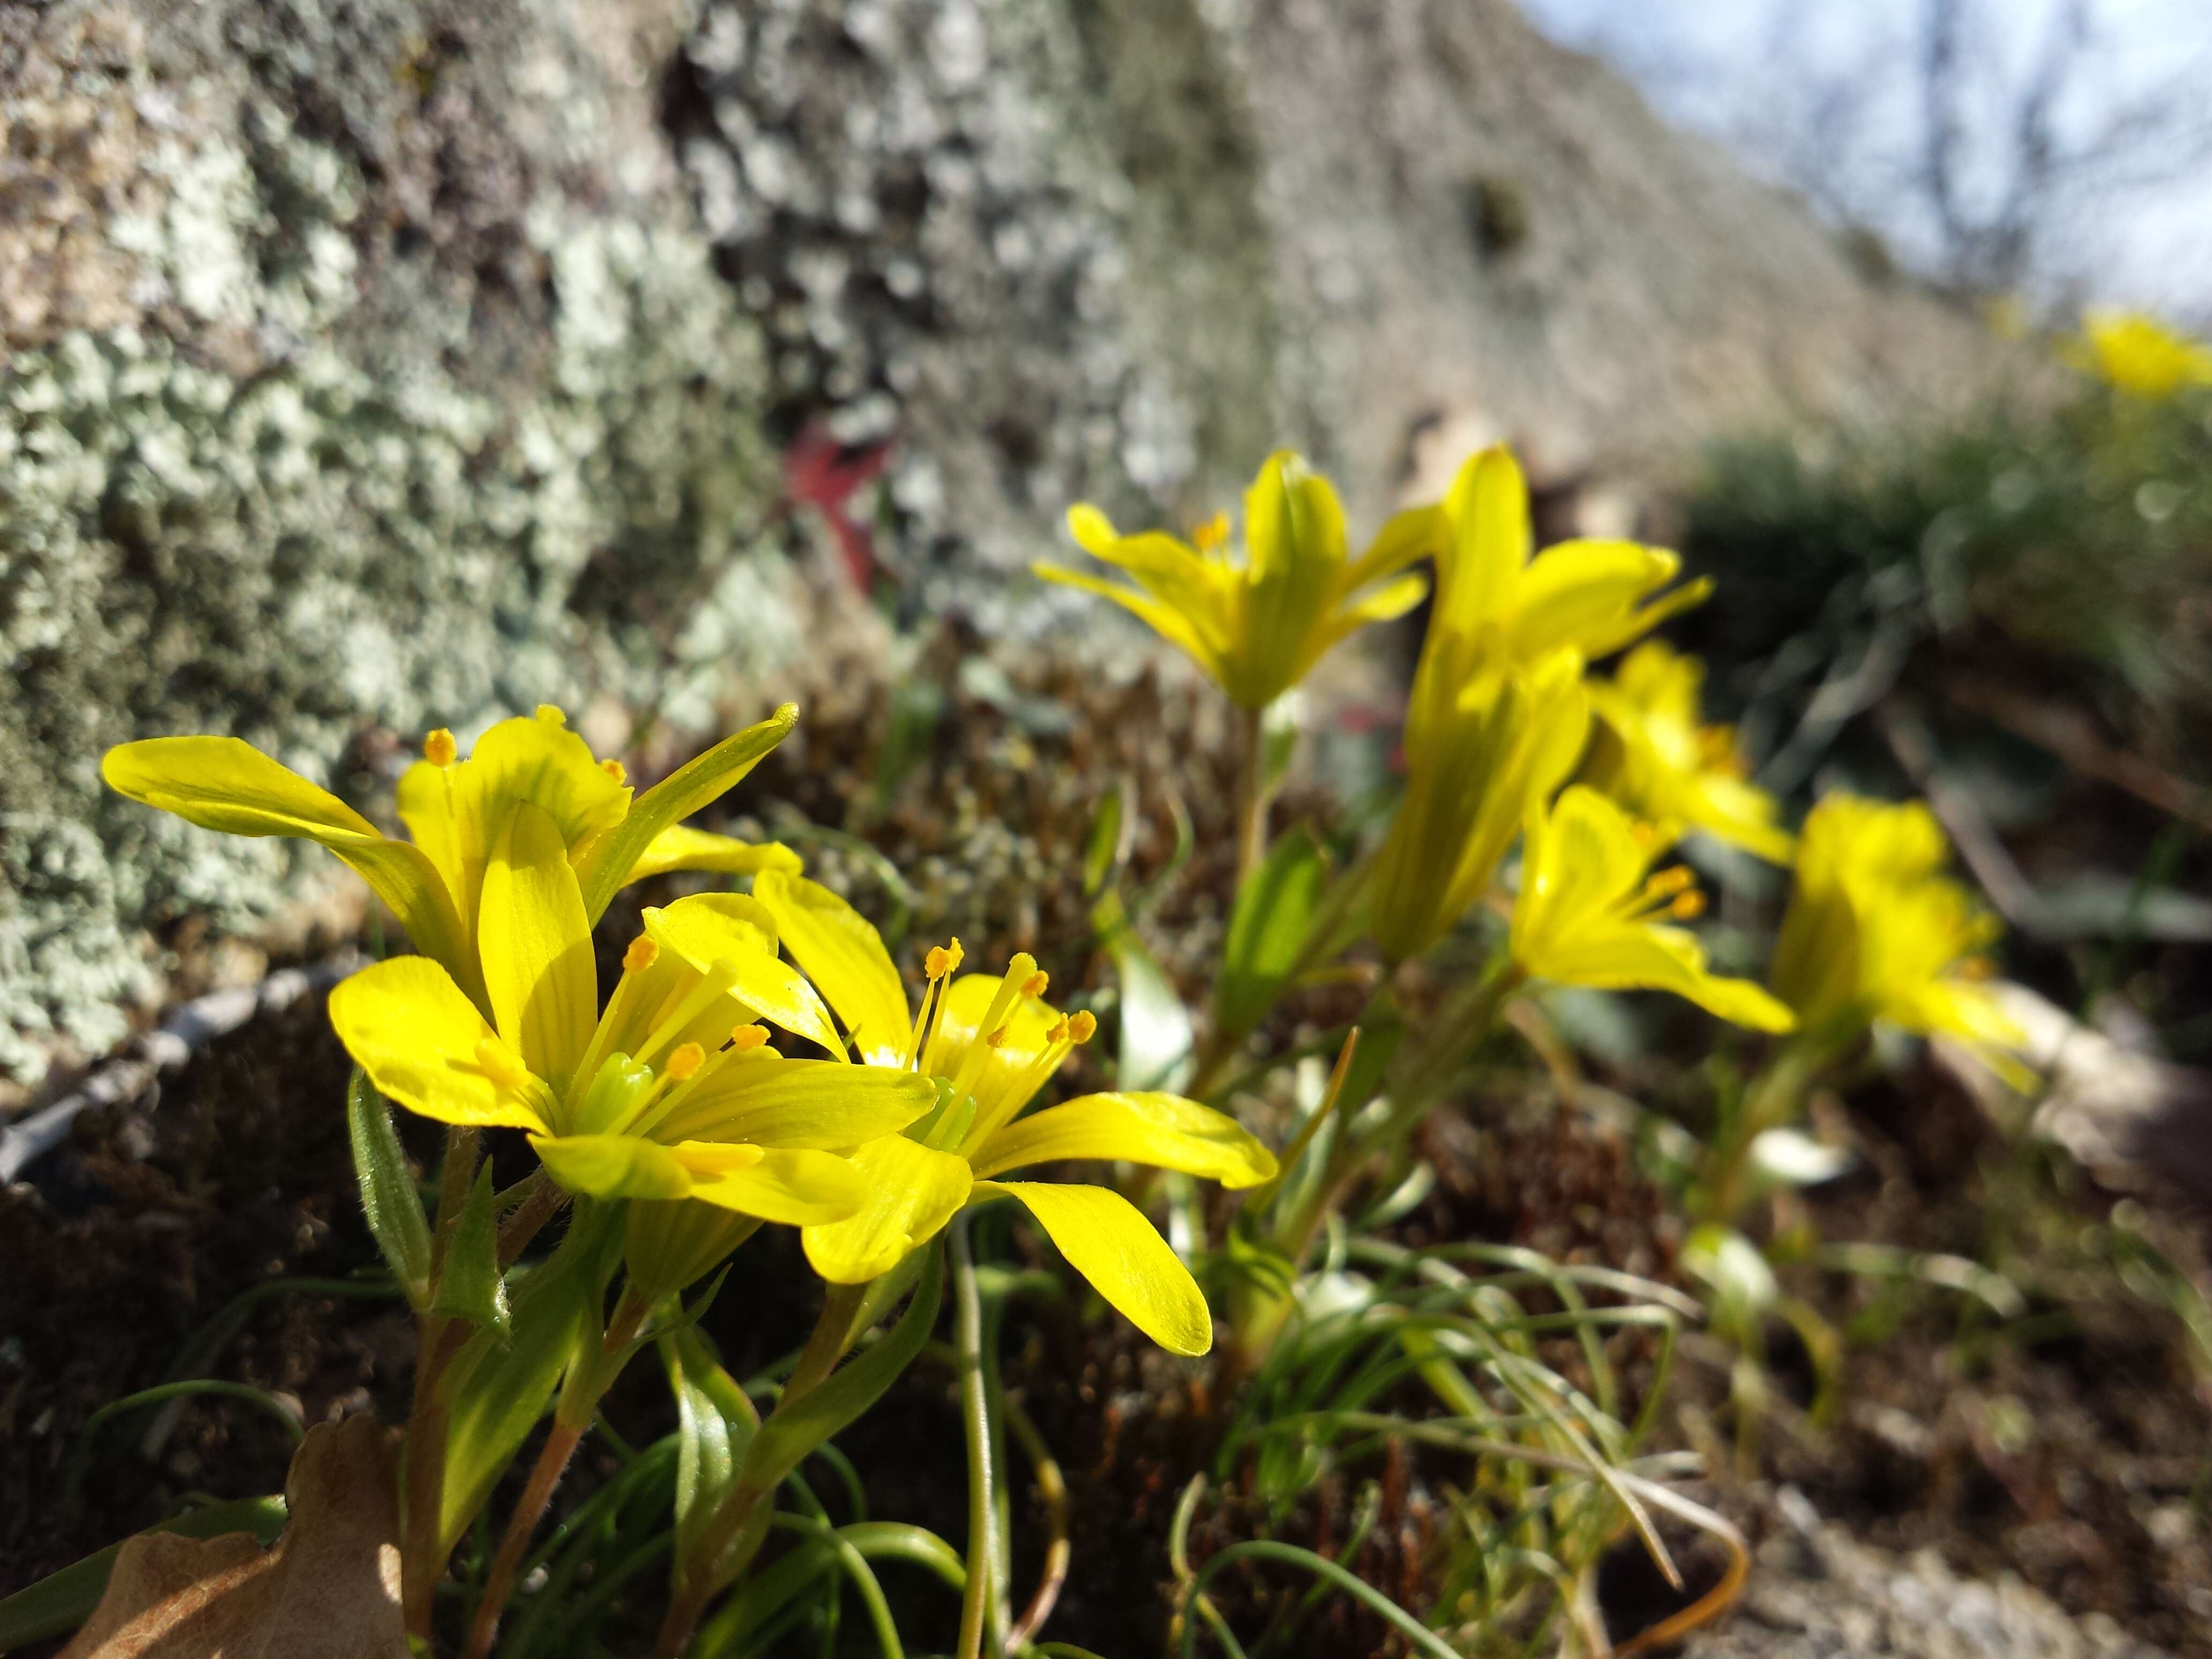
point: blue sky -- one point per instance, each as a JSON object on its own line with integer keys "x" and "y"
{"x": 1746, "y": 70}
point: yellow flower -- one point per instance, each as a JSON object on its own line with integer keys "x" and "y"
{"x": 1476, "y": 761}
{"x": 456, "y": 812}
{"x": 1258, "y": 626}
{"x": 2140, "y": 355}
{"x": 986, "y": 1046}
{"x": 1874, "y": 930}
{"x": 1588, "y": 914}
{"x": 674, "y": 1092}
{"x": 1499, "y": 713}
{"x": 1652, "y": 755}
{"x": 1499, "y": 608}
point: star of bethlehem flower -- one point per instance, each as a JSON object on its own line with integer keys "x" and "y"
{"x": 1874, "y": 931}
{"x": 674, "y": 1093}
{"x": 1650, "y": 753}
{"x": 984, "y": 1047}
{"x": 2140, "y": 355}
{"x": 456, "y": 811}
{"x": 1257, "y": 626}
{"x": 1591, "y": 912}
{"x": 1499, "y": 713}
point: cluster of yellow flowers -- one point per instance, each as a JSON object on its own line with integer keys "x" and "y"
{"x": 676, "y": 1096}
{"x": 1509, "y": 737}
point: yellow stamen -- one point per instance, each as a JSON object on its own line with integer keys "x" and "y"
{"x": 1210, "y": 534}
{"x": 939, "y": 962}
{"x": 1687, "y": 905}
{"x": 439, "y": 748}
{"x": 745, "y": 1038}
{"x": 615, "y": 769}
{"x": 1665, "y": 883}
{"x": 1059, "y": 1032}
{"x": 685, "y": 1061}
{"x": 1035, "y": 984}
{"x": 641, "y": 954}
{"x": 996, "y": 1039}
{"x": 1082, "y": 1028}
{"x": 1002, "y": 1002}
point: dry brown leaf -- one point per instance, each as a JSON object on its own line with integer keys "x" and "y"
{"x": 328, "y": 1588}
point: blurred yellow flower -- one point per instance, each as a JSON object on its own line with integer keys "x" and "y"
{"x": 1501, "y": 605}
{"x": 1589, "y": 913}
{"x": 2140, "y": 355}
{"x": 1875, "y": 931}
{"x": 985, "y": 1045}
{"x": 1650, "y": 753}
{"x": 457, "y": 810}
{"x": 1257, "y": 626}
{"x": 1478, "y": 754}
{"x": 1499, "y": 712}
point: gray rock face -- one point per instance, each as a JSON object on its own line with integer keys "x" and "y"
{"x": 376, "y": 364}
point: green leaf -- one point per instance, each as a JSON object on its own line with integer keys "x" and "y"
{"x": 1156, "y": 1034}
{"x": 471, "y": 1285}
{"x": 795, "y": 1429}
{"x": 715, "y": 1425}
{"x": 388, "y": 1197}
{"x": 606, "y": 866}
{"x": 61, "y": 1601}
{"x": 1108, "y": 847}
{"x": 1268, "y": 930}
{"x": 502, "y": 1383}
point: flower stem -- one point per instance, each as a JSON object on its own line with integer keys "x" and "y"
{"x": 544, "y": 1475}
{"x": 437, "y": 1340}
{"x": 1251, "y": 794}
{"x": 975, "y": 1411}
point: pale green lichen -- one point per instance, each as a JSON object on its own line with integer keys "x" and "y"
{"x": 328, "y": 545}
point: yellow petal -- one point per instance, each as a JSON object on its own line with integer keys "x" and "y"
{"x": 614, "y": 1166}
{"x": 842, "y": 953}
{"x": 1415, "y": 533}
{"x": 795, "y": 1187}
{"x": 411, "y": 1028}
{"x": 732, "y": 934}
{"x": 537, "y": 947}
{"x": 605, "y": 865}
{"x": 1108, "y": 1240}
{"x": 1580, "y": 592}
{"x": 1169, "y": 624}
{"x": 1295, "y": 554}
{"x": 1642, "y": 957}
{"x": 222, "y": 783}
{"x": 911, "y": 1192}
{"x": 1479, "y": 567}
{"x": 800, "y": 1102}
{"x": 681, "y": 848}
{"x": 1163, "y": 1130}
{"x": 1582, "y": 855}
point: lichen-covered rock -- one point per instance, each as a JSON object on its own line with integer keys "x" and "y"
{"x": 379, "y": 363}
{"x": 400, "y": 392}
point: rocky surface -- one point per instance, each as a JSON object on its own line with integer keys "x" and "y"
{"x": 1816, "y": 1593}
{"x": 375, "y": 364}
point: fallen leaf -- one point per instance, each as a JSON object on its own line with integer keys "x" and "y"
{"x": 328, "y": 1588}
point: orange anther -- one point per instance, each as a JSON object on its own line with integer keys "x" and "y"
{"x": 745, "y": 1038}
{"x": 615, "y": 769}
{"x": 685, "y": 1061}
{"x": 641, "y": 954}
{"x": 1082, "y": 1028}
{"x": 439, "y": 748}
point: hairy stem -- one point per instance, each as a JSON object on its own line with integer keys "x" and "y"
{"x": 544, "y": 1475}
